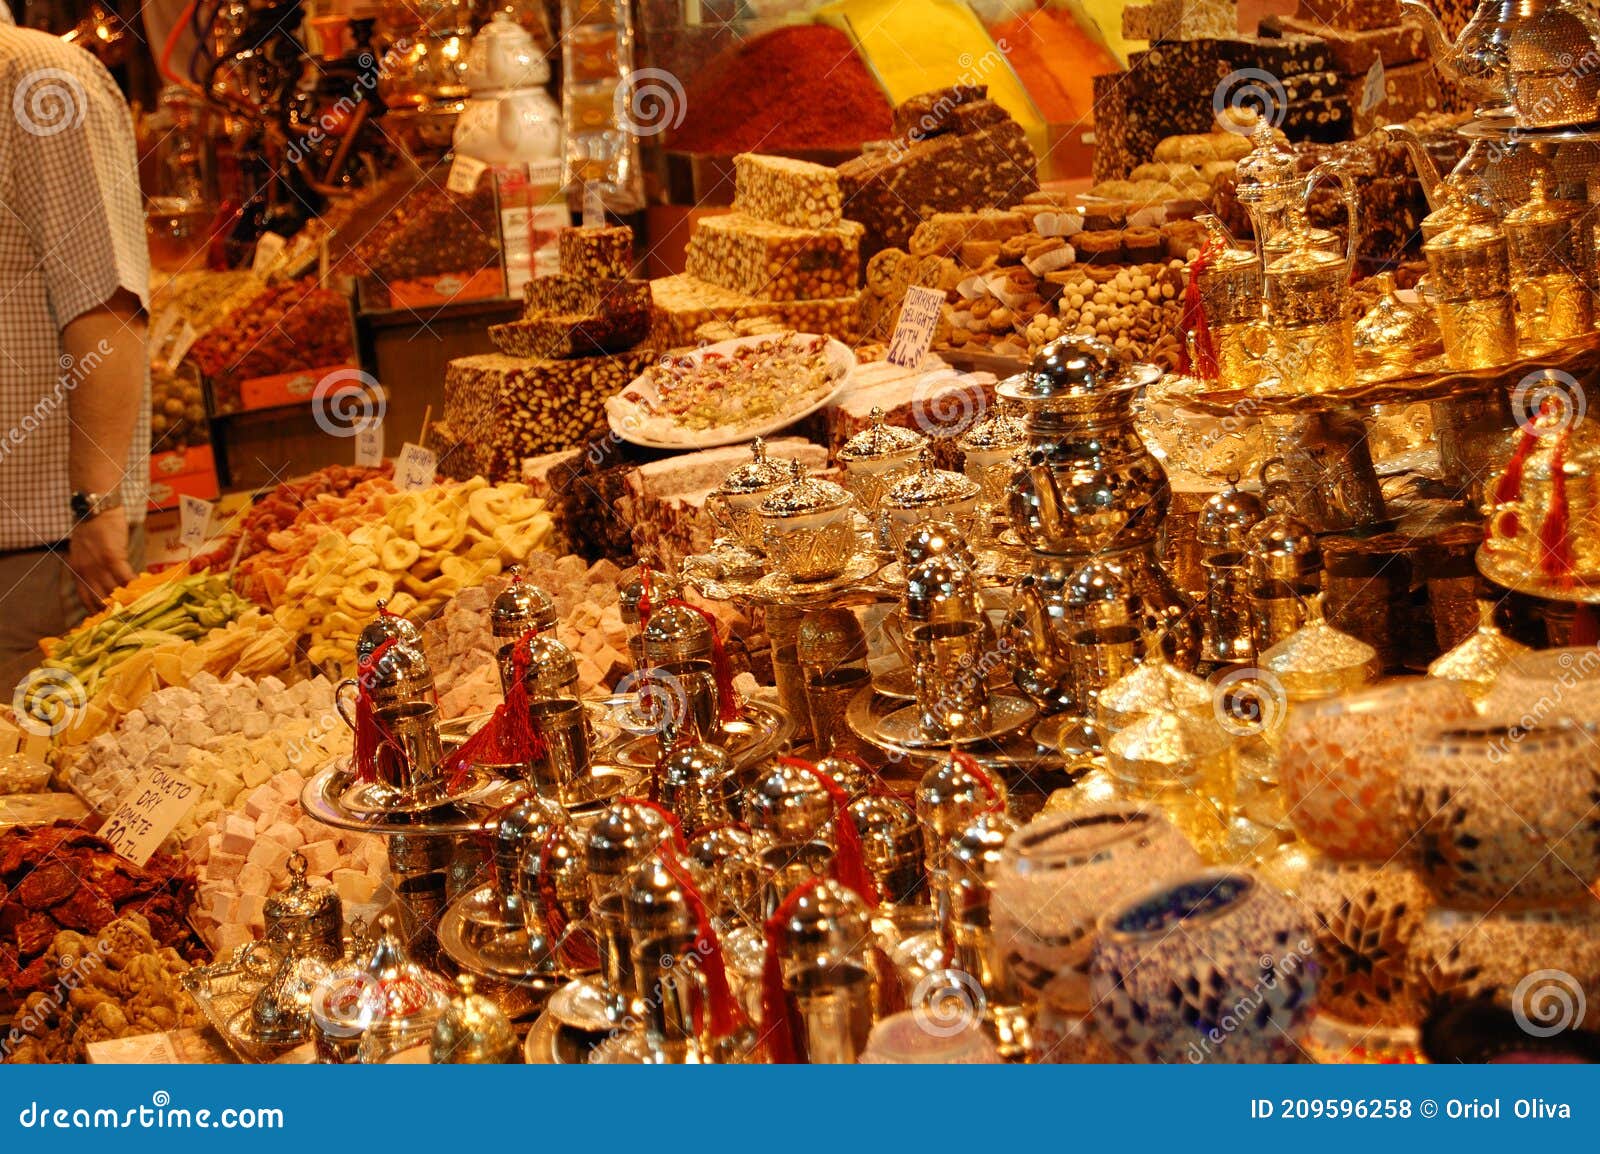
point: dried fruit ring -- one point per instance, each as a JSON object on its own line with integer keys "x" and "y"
{"x": 398, "y": 554}
{"x": 361, "y": 596}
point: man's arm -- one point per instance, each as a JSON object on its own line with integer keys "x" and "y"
{"x": 106, "y": 382}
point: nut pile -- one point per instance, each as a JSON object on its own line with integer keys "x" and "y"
{"x": 177, "y": 410}
{"x": 1138, "y": 309}
{"x": 119, "y": 982}
{"x": 287, "y": 328}
{"x": 61, "y": 877}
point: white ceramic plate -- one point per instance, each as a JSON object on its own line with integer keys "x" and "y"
{"x": 632, "y": 424}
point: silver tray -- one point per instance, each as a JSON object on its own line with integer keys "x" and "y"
{"x": 224, "y": 991}
{"x": 320, "y": 799}
{"x": 473, "y": 936}
{"x": 759, "y": 732}
{"x": 902, "y": 729}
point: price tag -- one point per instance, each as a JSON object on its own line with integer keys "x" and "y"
{"x": 913, "y": 333}
{"x": 594, "y": 208}
{"x": 1374, "y": 91}
{"x": 369, "y": 444}
{"x": 149, "y": 812}
{"x": 414, "y": 468}
{"x": 464, "y": 173}
{"x": 181, "y": 346}
{"x": 268, "y": 249}
{"x": 546, "y": 173}
{"x": 194, "y": 521}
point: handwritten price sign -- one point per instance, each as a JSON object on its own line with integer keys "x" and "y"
{"x": 913, "y": 333}
{"x": 150, "y": 811}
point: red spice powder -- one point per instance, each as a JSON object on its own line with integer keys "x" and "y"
{"x": 796, "y": 87}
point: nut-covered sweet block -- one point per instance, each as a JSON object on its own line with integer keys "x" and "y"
{"x": 1320, "y": 111}
{"x": 561, "y": 294}
{"x": 893, "y": 191}
{"x": 1112, "y": 158}
{"x": 1282, "y": 56}
{"x": 1408, "y": 90}
{"x": 929, "y": 113}
{"x": 774, "y": 261}
{"x": 1355, "y": 15}
{"x": 561, "y": 335}
{"x": 1352, "y": 52}
{"x": 792, "y": 192}
{"x": 943, "y": 233}
{"x": 683, "y": 303}
{"x": 1161, "y": 20}
{"x": 512, "y": 407}
{"x": 596, "y": 252}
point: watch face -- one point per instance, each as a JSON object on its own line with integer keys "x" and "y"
{"x": 80, "y": 505}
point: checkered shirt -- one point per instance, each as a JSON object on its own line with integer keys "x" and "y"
{"x": 71, "y": 234}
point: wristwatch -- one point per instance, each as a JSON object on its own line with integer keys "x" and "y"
{"x": 86, "y": 506}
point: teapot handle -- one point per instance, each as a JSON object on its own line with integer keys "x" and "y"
{"x": 1352, "y": 204}
{"x": 345, "y": 715}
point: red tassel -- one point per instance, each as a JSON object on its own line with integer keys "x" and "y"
{"x": 1555, "y": 539}
{"x": 369, "y": 734}
{"x": 966, "y": 761}
{"x": 578, "y": 952}
{"x": 644, "y": 607}
{"x": 1204, "y": 363}
{"x": 727, "y": 703}
{"x": 510, "y": 736}
{"x": 1509, "y": 487}
{"x": 778, "y": 1029}
{"x": 726, "y": 1017}
{"x": 850, "y": 867}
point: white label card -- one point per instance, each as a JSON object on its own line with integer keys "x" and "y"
{"x": 594, "y": 208}
{"x": 1374, "y": 91}
{"x": 194, "y": 521}
{"x": 464, "y": 174}
{"x": 544, "y": 173}
{"x": 268, "y": 249}
{"x": 369, "y": 445}
{"x": 913, "y": 333}
{"x": 414, "y": 468}
{"x": 149, "y": 812}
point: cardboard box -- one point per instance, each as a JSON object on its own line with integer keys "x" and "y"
{"x": 191, "y": 471}
{"x": 283, "y": 389}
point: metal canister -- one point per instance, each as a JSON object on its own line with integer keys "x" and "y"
{"x": 892, "y": 848}
{"x": 666, "y": 965}
{"x": 620, "y": 840}
{"x": 1223, "y": 530}
{"x": 1548, "y": 266}
{"x": 526, "y": 823}
{"x": 974, "y": 855}
{"x": 832, "y": 651}
{"x": 676, "y": 633}
{"x": 789, "y": 805}
{"x": 948, "y": 798}
{"x": 552, "y": 670}
{"x": 552, "y": 886}
{"x": 823, "y": 941}
{"x": 1283, "y": 568}
{"x": 647, "y": 588}
{"x": 1469, "y": 267}
{"x": 520, "y": 607}
{"x": 727, "y": 854}
{"x": 303, "y": 920}
{"x": 699, "y": 785}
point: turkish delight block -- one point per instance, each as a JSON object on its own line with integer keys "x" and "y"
{"x": 943, "y": 233}
{"x": 596, "y": 252}
{"x": 1162, "y": 20}
{"x": 785, "y": 191}
{"x": 683, "y": 303}
{"x": 1353, "y": 15}
{"x": 561, "y": 335}
{"x": 1352, "y": 52}
{"x": 774, "y": 261}
{"x": 1282, "y": 56}
{"x": 561, "y": 294}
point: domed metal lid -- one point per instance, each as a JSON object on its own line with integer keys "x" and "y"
{"x": 1540, "y": 211}
{"x": 662, "y": 586}
{"x": 1154, "y": 686}
{"x": 953, "y": 792}
{"x": 519, "y": 607}
{"x": 299, "y": 902}
{"x": 930, "y": 538}
{"x": 1476, "y": 231}
{"x": 1266, "y": 171}
{"x": 758, "y": 474}
{"x": 1227, "y": 516}
{"x": 941, "y": 588}
{"x": 788, "y": 803}
{"x": 1071, "y": 367}
{"x": 676, "y": 627}
{"x": 848, "y": 774}
{"x": 830, "y": 637}
{"x": 1478, "y": 660}
{"x": 804, "y": 496}
{"x": 382, "y": 628}
{"x": 828, "y": 923}
{"x": 656, "y": 901}
{"x": 622, "y": 836}
{"x": 526, "y": 822}
{"x": 550, "y": 663}
{"x": 1103, "y": 582}
{"x": 930, "y": 487}
{"x": 976, "y": 850}
{"x": 888, "y": 828}
{"x": 1283, "y": 546}
{"x": 880, "y": 440}
{"x": 1318, "y": 660}
{"x": 1165, "y": 741}
{"x": 472, "y": 1030}
{"x": 695, "y": 767}
{"x": 999, "y": 430}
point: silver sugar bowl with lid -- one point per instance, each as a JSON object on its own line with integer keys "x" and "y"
{"x": 735, "y": 505}
{"x": 928, "y": 494}
{"x": 808, "y": 528}
{"x": 875, "y": 458}
{"x": 519, "y": 607}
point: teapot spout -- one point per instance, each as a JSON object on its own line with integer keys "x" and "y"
{"x": 1051, "y": 519}
{"x": 1481, "y": 72}
{"x": 1032, "y": 630}
{"x": 1427, "y": 171}
{"x": 1439, "y": 46}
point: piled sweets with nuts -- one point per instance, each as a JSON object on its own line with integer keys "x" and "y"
{"x": 287, "y": 328}
{"x": 228, "y": 736}
{"x": 577, "y": 344}
{"x": 955, "y": 150}
{"x": 115, "y": 982}
{"x": 785, "y": 255}
{"x": 933, "y": 398}
{"x": 1138, "y": 309}
{"x": 432, "y": 240}
{"x": 242, "y": 856}
{"x": 60, "y": 877}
